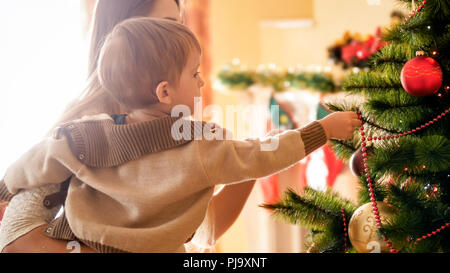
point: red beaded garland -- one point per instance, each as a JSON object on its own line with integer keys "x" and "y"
{"x": 370, "y": 185}
{"x": 345, "y": 229}
{"x": 404, "y": 133}
{"x": 434, "y": 232}
{"x": 416, "y": 11}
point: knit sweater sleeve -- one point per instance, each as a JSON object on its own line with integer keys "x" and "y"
{"x": 45, "y": 163}
{"x": 232, "y": 161}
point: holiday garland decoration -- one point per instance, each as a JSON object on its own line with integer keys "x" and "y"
{"x": 414, "y": 12}
{"x": 434, "y": 232}
{"x": 345, "y": 229}
{"x": 408, "y": 168}
{"x": 238, "y": 77}
{"x": 368, "y": 176}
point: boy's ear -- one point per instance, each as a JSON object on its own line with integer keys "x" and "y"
{"x": 162, "y": 92}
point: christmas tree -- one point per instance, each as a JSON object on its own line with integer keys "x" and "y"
{"x": 401, "y": 153}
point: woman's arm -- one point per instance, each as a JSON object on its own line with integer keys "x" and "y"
{"x": 36, "y": 242}
{"x": 227, "y": 205}
{"x": 3, "y": 206}
{"x": 25, "y": 220}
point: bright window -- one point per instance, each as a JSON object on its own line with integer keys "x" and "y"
{"x": 43, "y": 60}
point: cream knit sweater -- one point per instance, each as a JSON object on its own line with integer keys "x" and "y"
{"x": 134, "y": 188}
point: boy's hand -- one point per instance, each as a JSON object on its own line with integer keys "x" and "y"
{"x": 340, "y": 125}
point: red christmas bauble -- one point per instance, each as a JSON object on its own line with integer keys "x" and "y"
{"x": 421, "y": 76}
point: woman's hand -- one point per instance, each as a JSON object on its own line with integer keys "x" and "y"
{"x": 36, "y": 242}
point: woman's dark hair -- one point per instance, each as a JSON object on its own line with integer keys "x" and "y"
{"x": 108, "y": 14}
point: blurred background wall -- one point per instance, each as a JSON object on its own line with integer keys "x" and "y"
{"x": 289, "y": 32}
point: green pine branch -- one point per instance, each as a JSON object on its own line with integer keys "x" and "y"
{"x": 416, "y": 215}
{"x": 295, "y": 210}
{"x": 318, "y": 211}
{"x": 392, "y": 54}
{"x": 343, "y": 149}
{"x": 414, "y": 153}
{"x": 366, "y": 81}
{"x": 407, "y": 117}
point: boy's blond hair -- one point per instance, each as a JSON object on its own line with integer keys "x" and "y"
{"x": 139, "y": 54}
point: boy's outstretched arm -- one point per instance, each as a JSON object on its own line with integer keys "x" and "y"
{"x": 233, "y": 161}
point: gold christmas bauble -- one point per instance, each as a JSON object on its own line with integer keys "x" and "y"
{"x": 363, "y": 230}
